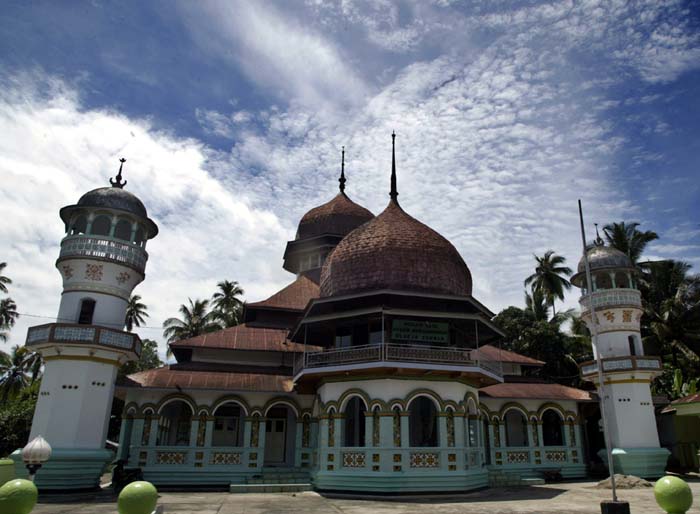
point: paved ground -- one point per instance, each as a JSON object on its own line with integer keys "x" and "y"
{"x": 578, "y": 497}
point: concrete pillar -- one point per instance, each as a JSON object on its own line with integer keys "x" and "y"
{"x": 405, "y": 434}
{"x": 338, "y": 421}
{"x": 369, "y": 426}
{"x": 323, "y": 432}
{"x": 443, "y": 438}
{"x": 247, "y": 431}
{"x": 459, "y": 431}
{"x": 194, "y": 428}
{"x": 386, "y": 430}
{"x": 209, "y": 432}
{"x": 153, "y": 436}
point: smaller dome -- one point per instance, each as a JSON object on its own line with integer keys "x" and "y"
{"x": 601, "y": 257}
{"x": 340, "y": 216}
{"x": 113, "y": 198}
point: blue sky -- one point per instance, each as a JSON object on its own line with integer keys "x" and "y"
{"x": 232, "y": 115}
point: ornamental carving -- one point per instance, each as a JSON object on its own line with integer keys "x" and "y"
{"x": 67, "y": 270}
{"x": 123, "y": 277}
{"x": 517, "y": 457}
{"x": 146, "y": 434}
{"x": 610, "y": 316}
{"x": 306, "y": 432}
{"x": 201, "y": 430}
{"x": 397, "y": 429}
{"x": 572, "y": 434}
{"x": 425, "y": 460}
{"x": 225, "y": 458}
{"x": 626, "y": 316}
{"x": 496, "y": 435}
{"x": 555, "y": 456}
{"x": 255, "y": 431}
{"x": 353, "y": 459}
{"x": 450, "y": 429}
{"x": 170, "y": 457}
{"x": 535, "y": 434}
{"x": 331, "y": 431}
{"x": 375, "y": 428}
{"x": 93, "y": 272}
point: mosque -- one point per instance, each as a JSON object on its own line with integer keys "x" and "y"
{"x": 374, "y": 370}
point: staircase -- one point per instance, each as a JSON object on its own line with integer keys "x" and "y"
{"x": 275, "y": 480}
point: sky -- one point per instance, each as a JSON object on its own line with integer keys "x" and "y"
{"x": 231, "y": 116}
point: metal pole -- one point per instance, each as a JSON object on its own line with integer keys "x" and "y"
{"x": 599, "y": 363}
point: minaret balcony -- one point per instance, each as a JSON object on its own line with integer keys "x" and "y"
{"x": 73, "y": 334}
{"x": 104, "y": 248}
{"x": 624, "y": 364}
{"x": 419, "y": 358}
{"x": 607, "y": 298}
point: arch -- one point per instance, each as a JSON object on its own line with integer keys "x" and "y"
{"x": 378, "y": 404}
{"x": 354, "y": 433}
{"x": 602, "y": 280}
{"x": 122, "y": 230}
{"x": 347, "y": 395}
{"x": 147, "y": 408}
{"x": 552, "y": 428}
{"x": 101, "y": 225}
{"x": 174, "y": 423}
{"x": 552, "y": 406}
{"x": 203, "y": 411}
{"x": 282, "y": 401}
{"x": 228, "y": 424}
{"x": 471, "y": 407}
{"x": 79, "y": 225}
{"x": 131, "y": 408}
{"x": 397, "y": 403}
{"x": 486, "y": 412}
{"x": 454, "y": 406}
{"x": 427, "y": 393}
{"x": 230, "y": 398}
{"x": 423, "y": 422}
{"x": 470, "y": 396}
{"x": 86, "y": 311}
{"x": 516, "y": 427}
{"x": 177, "y": 396}
{"x": 513, "y": 405}
{"x": 622, "y": 280}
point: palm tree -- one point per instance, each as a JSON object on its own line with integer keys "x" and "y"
{"x": 626, "y": 238}
{"x": 8, "y": 316}
{"x": 196, "y": 320}
{"x": 135, "y": 312}
{"x": 13, "y": 371}
{"x": 227, "y": 306}
{"x": 549, "y": 277}
{"x": 3, "y": 279}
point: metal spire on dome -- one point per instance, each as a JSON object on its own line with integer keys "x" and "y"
{"x": 342, "y": 172}
{"x": 598, "y": 240}
{"x": 118, "y": 183}
{"x": 393, "y": 193}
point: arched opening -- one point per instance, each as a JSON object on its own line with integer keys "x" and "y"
{"x": 139, "y": 237}
{"x": 174, "y": 425}
{"x": 123, "y": 230}
{"x": 280, "y": 435}
{"x": 422, "y": 423}
{"x": 146, "y": 433}
{"x": 354, "y": 428}
{"x": 621, "y": 280}
{"x": 228, "y": 426}
{"x": 632, "y": 343}
{"x": 87, "y": 311}
{"x": 516, "y": 428}
{"x": 101, "y": 226}
{"x": 79, "y": 226}
{"x": 603, "y": 281}
{"x": 552, "y": 431}
{"x": 472, "y": 425}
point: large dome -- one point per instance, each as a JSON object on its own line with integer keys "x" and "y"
{"x": 601, "y": 257}
{"x": 340, "y": 216}
{"x": 395, "y": 251}
{"x": 113, "y": 198}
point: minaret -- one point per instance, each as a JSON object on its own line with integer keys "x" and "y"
{"x": 627, "y": 372}
{"x": 102, "y": 258}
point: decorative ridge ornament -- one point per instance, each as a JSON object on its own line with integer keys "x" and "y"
{"x": 118, "y": 183}
{"x": 342, "y": 172}
{"x": 393, "y": 193}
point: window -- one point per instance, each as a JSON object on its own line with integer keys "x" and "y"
{"x": 174, "y": 427}
{"x": 123, "y": 230}
{"x": 632, "y": 345}
{"x": 355, "y": 422}
{"x": 516, "y": 428}
{"x": 227, "y": 426}
{"x": 87, "y": 309}
{"x": 551, "y": 429}
{"x": 621, "y": 280}
{"x": 375, "y": 332}
{"x": 343, "y": 337}
{"x": 101, "y": 226}
{"x": 139, "y": 237}
{"x": 603, "y": 281}
{"x": 79, "y": 225}
{"x": 422, "y": 423}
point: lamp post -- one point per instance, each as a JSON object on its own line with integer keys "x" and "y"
{"x": 37, "y": 451}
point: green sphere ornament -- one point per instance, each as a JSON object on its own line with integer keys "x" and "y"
{"x": 18, "y": 496}
{"x": 673, "y": 495}
{"x": 137, "y": 498}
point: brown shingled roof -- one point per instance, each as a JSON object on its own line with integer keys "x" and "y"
{"x": 537, "y": 391}
{"x": 395, "y": 251}
{"x": 339, "y": 216}
{"x": 492, "y": 353}
{"x": 166, "y": 377}
{"x": 295, "y": 296}
{"x": 243, "y": 337}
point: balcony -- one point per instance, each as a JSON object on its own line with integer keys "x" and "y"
{"x": 66, "y": 333}
{"x": 104, "y": 248}
{"x": 395, "y": 355}
{"x": 621, "y": 364}
{"x": 604, "y": 298}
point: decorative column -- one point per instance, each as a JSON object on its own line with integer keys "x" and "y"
{"x": 405, "y": 434}
{"x": 209, "y": 432}
{"x": 369, "y": 429}
{"x": 460, "y": 435}
{"x": 194, "y": 430}
{"x": 153, "y": 430}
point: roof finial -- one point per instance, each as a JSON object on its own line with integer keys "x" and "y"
{"x": 342, "y": 172}
{"x": 394, "y": 193}
{"x": 598, "y": 240}
{"x": 118, "y": 183}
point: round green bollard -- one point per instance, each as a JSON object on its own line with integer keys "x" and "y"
{"x": 137, "y": 498}
{"x": 18, "y": 497}
{"x": 7, "y": 470}
{"x": 673, "y": 495}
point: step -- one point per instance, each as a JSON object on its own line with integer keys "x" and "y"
{"x": 269, "y": 488}
{"x": 267, "y": 480}
{"x": 532, "y": 481}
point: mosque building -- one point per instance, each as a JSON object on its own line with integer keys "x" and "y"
{"x": 374, "y": 370}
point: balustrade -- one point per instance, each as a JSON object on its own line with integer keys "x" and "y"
{"x": 623, "y": 363}
{"x": 104, "y": 248}
{"x": 83, "y": 334}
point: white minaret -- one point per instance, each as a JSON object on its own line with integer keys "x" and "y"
{"x": 102, "y": 258}
{"x": 627, "y": 372}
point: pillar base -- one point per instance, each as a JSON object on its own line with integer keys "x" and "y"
{"x": 640, "y": 462}
{"x": 68, "y": 469}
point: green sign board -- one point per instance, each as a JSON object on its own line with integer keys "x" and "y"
{"x": 420, "y": 331}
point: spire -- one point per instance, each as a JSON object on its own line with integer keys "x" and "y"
{"x": 118, "y": 183}
{"x": 598, "y": 240}
{"x": 342, "y": 172}
{"x": 394, "y": 193}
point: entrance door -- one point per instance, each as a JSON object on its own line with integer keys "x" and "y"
{"x": 276, "y": 436}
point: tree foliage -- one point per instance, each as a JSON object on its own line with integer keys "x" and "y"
{"x": 627, "y": 238}
{"x": 549, "y": 277}
{"x": 148, "y": 359}
{"x": 227, "y": 306}
{"x": 135, "y": 312}
{"x": 16, "y": 419}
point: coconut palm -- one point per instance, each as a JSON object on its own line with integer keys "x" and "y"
{"x": 227, "y": 306}
{"x": 135, "y": 312}
{"x": 13, "y": 371}
{"x": 548, "y": 277}
{"x": 3, "y": 279}
{"x": 628, "y": 239}
{"x": 196, "y": 320}
{"x": 8, "y": 316}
